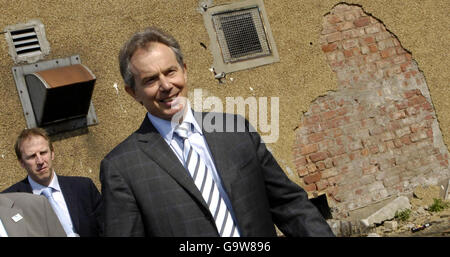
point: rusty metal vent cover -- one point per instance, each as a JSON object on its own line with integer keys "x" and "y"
{"x": 61, "y": 93}
{"x": 241, "y": 34}
{"x": 27, "y": 42}
{"x": 56, "y": 94}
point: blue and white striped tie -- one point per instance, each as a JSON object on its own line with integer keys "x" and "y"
{"x": 205, "y": 183}
{"x": 47, "y": 192}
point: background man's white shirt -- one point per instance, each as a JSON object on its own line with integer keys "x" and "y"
{"x": 57, "y": 195}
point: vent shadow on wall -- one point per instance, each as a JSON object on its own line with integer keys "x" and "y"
{"x": 240, "y": 36}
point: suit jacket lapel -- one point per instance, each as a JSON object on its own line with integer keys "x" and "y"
{"x": 154, "y": 145}
{"x": 71, "y": 199}
{"x": 6, "y": 213}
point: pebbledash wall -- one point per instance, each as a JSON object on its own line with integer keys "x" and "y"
{"x": 377, "y": 135}
{"x": 346, "y": 158}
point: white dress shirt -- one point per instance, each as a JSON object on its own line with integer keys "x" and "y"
{"x": 57, "y": 195}
{"x": 198, "y": 143}
{"x": 2, "y": 230}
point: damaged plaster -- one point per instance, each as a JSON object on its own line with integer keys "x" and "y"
{"x": 377, "y": 135}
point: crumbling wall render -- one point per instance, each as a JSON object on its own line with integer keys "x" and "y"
{"x": 377, "y": 136}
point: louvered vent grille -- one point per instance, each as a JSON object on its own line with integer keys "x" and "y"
{"x": 25, "y": 41}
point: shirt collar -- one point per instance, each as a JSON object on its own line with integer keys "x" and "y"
{"x": 166, "y": 128}
{"x": 37, "y": 188}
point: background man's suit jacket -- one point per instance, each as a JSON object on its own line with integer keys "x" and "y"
{"x": 147, "y": 191}
{"x": 38, "y": 217}
{"x": 83, "y": 201}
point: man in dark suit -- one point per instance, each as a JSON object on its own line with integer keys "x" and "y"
{"x": 28, "y": 215}
{"x": 174, "y": 176}
{"x": 77, "y": 198}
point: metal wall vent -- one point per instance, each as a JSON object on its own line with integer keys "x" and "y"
{"x": 56, "y": 94}
{"x": 27, "y": 42}
{"x": 240, "y": 35}
{"x": 61, "y": 93}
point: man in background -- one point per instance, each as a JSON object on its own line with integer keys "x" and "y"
{"x": 75, "y": 200}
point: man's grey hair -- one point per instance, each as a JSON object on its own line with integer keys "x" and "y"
{"x": 141, "y": 40}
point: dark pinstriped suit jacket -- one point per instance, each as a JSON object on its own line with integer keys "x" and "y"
{"x": 147, "y": 191}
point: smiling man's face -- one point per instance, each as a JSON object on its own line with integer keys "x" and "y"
{"x": 160, "y": 81}
{"x": 37, "y": 159}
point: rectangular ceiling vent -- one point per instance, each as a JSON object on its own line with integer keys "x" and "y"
{"x": 27, "y": 42}
{"x": 240, "y": 36}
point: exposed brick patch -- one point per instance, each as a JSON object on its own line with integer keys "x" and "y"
{"x": 362, "y": 22}
{"x": 329, "y": 47}
{"x": 312, "y": 178}
{"x": 320, "y": 156}
{"x": 308, "y": 149}
{"x": 377, "y": 135}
